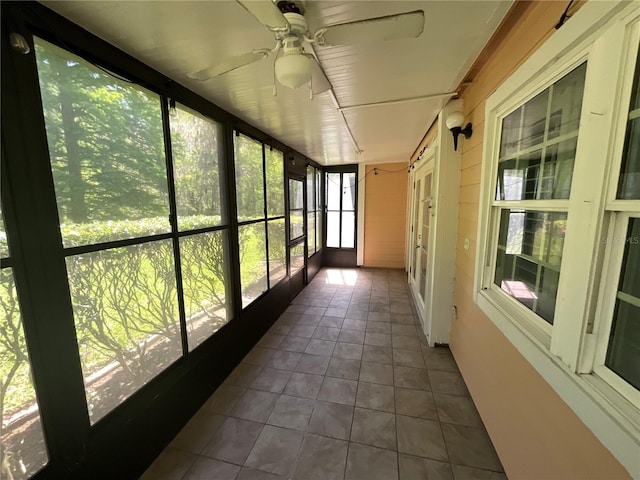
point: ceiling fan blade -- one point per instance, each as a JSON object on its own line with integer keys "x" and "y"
{"x": 391, "y": 27}
{"x": 319, "y": 81}
{"x": 266, "y": 12}
{"x": 228, "y": 64}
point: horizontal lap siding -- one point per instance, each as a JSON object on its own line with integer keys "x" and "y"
{"x": 385, "y": 215}
{"x": 535, "y": 433}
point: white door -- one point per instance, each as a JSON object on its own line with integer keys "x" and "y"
{"x": 420, "y": 271}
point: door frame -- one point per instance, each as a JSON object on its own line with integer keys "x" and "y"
{"x": 439, "y": 310}
{"x": 421, "y": 297}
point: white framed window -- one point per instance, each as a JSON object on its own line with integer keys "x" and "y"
{"x": 558, "y": 258}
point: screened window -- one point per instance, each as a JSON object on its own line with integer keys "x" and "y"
{"x": 276, "y": 232}
{"x": 196, "y": 147}
{"x": 106, "y": 146}
{"x": 22, "y": 440}
{"x": 259, "y": 173}
{"x": 311, "y": 211}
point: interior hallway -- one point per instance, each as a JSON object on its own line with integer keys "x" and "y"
{"x": 343, "y": 386}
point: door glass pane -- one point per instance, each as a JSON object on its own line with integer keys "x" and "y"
{"x": 311, "y": 233}
{"x": 417, "y": 232}
{"x": 623, "y": 355}
{"x": 333, "y": 229}
{"x": 424, "y": 242}
{"x": 348, "y": 191}
{"x": 106, "y": 147}
{"x": 253, "y": 261}
{"x": 249, "y": 178}
{"x": 311, "y": 197}
{"x": 529, "y": 255}
{"x": 629, "y": 183}
{"x": 318, "y": 230}
{"x": 275, "y": 182}
{"x": 126, "y": 315}
{"x": 277, "y": 251}
{"x": 348, "y": 230}
{"x": 296, "y": 254}
{"x": 319, "y": 210}
{"x": 196, "y": 146}
{"x": 538, "y": 143}
{"x": 206, "y": 290}
{"x": 22, "y": 445}
{"x": 296, "y": 208}
{"x": 333, "y": 191}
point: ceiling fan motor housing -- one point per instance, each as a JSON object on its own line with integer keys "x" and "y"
{"x": 297, "y": 22}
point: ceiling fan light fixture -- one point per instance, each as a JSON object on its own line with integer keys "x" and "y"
{"x": 293, "y": 69}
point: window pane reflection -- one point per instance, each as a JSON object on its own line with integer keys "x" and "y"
{"x": 126, "y": 315}
{"x": 629, "y": 185}
{"x": 206, "y": 297}
{"x": 538, "y": 143}
{"x": 528, "y": 259}
{"x": 623, "y": 355}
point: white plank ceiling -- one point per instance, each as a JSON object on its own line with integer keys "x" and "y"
{"x": 181, "y": 37}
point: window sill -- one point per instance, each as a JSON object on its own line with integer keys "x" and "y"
{"x": 613, "y": 419}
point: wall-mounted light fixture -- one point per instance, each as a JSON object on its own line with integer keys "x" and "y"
{"x": 454, "y": 123}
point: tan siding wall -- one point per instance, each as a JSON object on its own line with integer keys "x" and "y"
{"x": 385, "y": 215}
{"x": 535, "y": 433}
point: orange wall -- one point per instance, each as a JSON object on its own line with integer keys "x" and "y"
{"x": 385, "y": 215}
{"x": 536, "y": 434}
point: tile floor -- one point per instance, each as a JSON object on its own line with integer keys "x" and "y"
{"x": 343, "y": 386}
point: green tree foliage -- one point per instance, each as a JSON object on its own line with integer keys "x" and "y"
{"x": 105, "y": 141}
{"x": 107, "y": 154}
{"x": 197, "y": 156}
{"x": 249, "y": 178}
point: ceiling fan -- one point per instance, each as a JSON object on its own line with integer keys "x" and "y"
{"x": 298, "y": 64}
